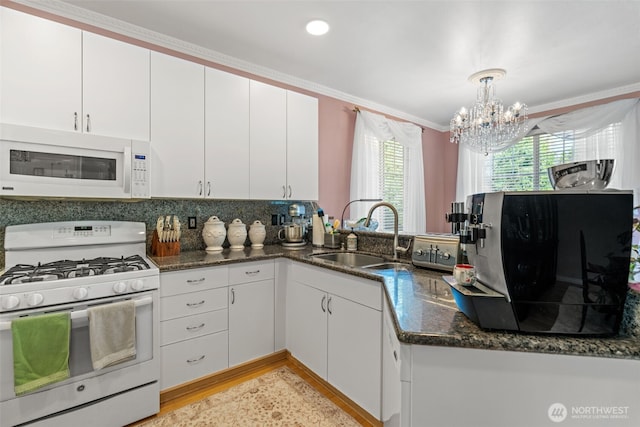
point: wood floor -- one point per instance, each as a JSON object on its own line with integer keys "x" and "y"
{"x": 186, "y": 394}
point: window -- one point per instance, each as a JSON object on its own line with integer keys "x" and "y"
{"x": 523, "y": 167}
{"x": 391, "y": 184}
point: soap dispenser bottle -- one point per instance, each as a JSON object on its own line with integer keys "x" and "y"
{"x": 352, "y": 241}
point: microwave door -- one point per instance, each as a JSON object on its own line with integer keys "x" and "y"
{"x": 29, "y": 169}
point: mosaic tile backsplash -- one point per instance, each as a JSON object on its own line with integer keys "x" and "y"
{"x": 14, "y": 212}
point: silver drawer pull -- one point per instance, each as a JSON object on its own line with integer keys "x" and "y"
{"x": 195, "y": 304}
{"x": 195, "y": 282}
{"x": 193, "y": 361}
{"x": 194, "y": 328}
{"x": 251, "y": 272}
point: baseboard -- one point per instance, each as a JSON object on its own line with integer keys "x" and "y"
{"x": 273, "y": 360}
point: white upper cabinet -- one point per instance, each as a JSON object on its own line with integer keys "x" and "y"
{"x": 226, "y": 151}
{"x": 284, "y": 144}
{"x": 268, "y": 130}
{"x": 57, "y": 77}
{"x": 177, "y": 127}
{"x": 115, "y": 88}
{"x": 40, "y": 72}
{"x": 302, "y": 147}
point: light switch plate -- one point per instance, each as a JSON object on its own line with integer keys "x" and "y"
{"x": 192, "y": 222}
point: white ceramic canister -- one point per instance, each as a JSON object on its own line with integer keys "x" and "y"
{"x": 237, "y": 234}
{"x": 257, "y": 234}
{"x": 213, "y": 234}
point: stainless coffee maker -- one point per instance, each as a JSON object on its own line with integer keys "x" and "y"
{"x": 294, "y": 233}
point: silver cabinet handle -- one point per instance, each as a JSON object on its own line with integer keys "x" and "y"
{"x": 195, "y": 281}
{"x": 75, "y": 120}
{"x": 284, "y": 192}
{"x": 199, "y": 188}
{"x": 192, "y": 361}
{"x": 88, "y": 123}
{"x": 289, "y": 191}
{"x": 324, "y": 298}
{"x": 329, "y": 306}
{"x": 208, "y": 188}
{"x": 249, "y": 273}
{"x": 195, "y": 304}
{"x": 194, "y": 328}
{"x": 233, "y": 296}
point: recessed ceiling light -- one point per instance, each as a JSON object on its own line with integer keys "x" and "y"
{"x": 317, "y": 27}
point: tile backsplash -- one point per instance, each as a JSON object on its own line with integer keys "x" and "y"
{"x": 14, "y": 212}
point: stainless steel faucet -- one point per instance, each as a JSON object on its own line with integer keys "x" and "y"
{"x": 396, "y": 248}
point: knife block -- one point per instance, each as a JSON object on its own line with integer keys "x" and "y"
{"x": 161, "y": 249}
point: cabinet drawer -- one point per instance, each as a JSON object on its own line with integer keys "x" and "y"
{"x": 183, "y": 328}
{"x": 363, "y": 291}
{"x": 187, "y": 360}
{"x": 251, "y": 272}
{"x": 192, "y": 303}
{"x": 197, "y": 279}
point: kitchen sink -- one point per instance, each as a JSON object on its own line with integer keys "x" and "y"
{"x": 387, "y": 266}
{"x": 349, "y": 259}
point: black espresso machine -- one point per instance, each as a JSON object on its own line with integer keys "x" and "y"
{"x": 550, "y": 262}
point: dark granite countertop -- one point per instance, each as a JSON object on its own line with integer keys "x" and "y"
{"x": 425, "y": 313}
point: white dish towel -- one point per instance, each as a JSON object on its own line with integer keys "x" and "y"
{"x": 112, "y": 333}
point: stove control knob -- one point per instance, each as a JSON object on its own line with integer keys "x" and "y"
{"x": 419, "y": 252}
{"x": 34, "y": 299}
{"x": 10, "y": 302}
{"x": 80, "y": 293}
{"x": 446, "y": 255}
{"x": 137, "y": 285}
{"x": 119, "y": 287}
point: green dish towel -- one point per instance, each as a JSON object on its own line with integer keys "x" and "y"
{"x": 40, "y": 351}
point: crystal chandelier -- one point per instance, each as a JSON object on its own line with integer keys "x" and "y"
{"x": 487, "y": 126}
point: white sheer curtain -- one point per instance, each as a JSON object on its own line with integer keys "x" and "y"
{"x": 585, "y": 123}
{"x": 369, "y": 129}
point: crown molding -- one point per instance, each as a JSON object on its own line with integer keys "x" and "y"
{"x": 84, "y": 16}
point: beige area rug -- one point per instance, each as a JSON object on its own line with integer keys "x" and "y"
{"x": 277, "y": 398}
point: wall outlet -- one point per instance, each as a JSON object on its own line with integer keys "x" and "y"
{"x": 192, "y": 223}
{"x": 274, "y": 219}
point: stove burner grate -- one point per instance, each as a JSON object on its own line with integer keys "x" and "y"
{"x": 55, "y": 270}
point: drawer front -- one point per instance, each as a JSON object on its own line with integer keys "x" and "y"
{"x": 251, "y": 272}
{"x": 184, "y": 328}
{"x": 192, "y": 303}
{"x": 192, "y": 280}
{"x": 191, "y": 359}
{"x": 363, "y": 291}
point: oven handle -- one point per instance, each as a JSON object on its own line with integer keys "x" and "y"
{"x": 82, "y": 314}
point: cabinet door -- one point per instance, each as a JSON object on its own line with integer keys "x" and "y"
{"x": 268, "y": 142}
{"x": 177, "y": 127}
{"x": 302, "y": 147}
{"x": 307, "y": 326}
{"x": 40, "y": 72}
{"x": 115, "y": 88}
{"x": 226, "y": 152}
{"x": 251, "y": 321}
{"x": 354, "y": 352}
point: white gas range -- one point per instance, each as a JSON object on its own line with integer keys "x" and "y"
{"x": 72, "y": 267}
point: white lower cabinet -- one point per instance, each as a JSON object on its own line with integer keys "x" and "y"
{"x": 334, "y": 327}
{"x": 251, "y": 311}
{"x": 194, "y": 324}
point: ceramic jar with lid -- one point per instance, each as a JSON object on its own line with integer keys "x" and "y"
{"x": 257, "y": 234}
{"x": 213, "y": 234}
{"x": 237, "y": 234}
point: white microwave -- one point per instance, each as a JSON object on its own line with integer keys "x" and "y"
{"x": 38, "y": 162}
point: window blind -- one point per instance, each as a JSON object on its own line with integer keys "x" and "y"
{"x": 523, "y": 167}
{"x": 391, "y": 183}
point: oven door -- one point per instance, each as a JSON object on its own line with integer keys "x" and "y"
{"x": 46, "y": 163}
{"x": 85, "y": 385}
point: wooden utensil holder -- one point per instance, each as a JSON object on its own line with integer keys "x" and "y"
{"x": 161, "y": 249}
